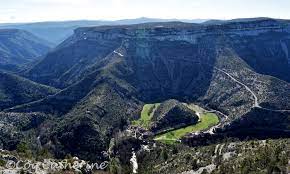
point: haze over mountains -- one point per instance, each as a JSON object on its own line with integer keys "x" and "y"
{"x": 82, "y": 95}
{"x": 18, "y": 47}
{"x": 56, "y": 32}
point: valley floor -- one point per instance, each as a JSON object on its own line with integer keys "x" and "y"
{"x": 207, "y": 120}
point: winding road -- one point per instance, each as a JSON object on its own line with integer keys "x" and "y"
{"x": 256, "y": 103}
{"x": 226, "y": 118}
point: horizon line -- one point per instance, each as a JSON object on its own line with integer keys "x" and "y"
{"x": 121, "y": 19}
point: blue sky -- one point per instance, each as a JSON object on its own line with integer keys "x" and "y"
{"x": 56, "y": 10}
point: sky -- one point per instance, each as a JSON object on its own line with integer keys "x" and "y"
{"x": 59, "y": 10}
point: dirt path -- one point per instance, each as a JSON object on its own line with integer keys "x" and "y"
{"x": 256, "y": 103}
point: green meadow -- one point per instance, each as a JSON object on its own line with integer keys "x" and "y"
{"x": 206, "y": 121}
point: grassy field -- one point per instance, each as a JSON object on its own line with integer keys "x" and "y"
{"x": 207, "y": 120}
{"x": 146, "y": 115}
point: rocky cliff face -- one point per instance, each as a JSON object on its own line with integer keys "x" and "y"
{"x": 181, "y": 31}
{"x": 108, "y": 73}
{"x": 263, "y": 44}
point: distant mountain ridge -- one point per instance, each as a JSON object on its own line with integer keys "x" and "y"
{"x": 239, "y": 70}
{"x": 107, "y": 73}
{"x": 56, "y": 32}
{"x": 18, "y": 47}
{"x": 73, "y": 66}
